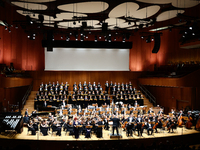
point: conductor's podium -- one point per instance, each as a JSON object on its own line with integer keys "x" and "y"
{"x": 115, "y": 136}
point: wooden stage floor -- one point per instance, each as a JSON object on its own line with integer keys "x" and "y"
{"x": 106, "y": 135}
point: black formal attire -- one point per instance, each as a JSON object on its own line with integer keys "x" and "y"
{"x": 99, "y": 129}
{"x": 76, "y": 129}
{"x": 149, "y": 128}
{"x": 32, "y": 129}
{"x": 115, "y": 124}
{"x": 129, "y": 126}
{"x": 56, "y": 128}
{"x": 139, "y": 126}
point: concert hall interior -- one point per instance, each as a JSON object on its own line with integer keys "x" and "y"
{"x": 105, "y": 74}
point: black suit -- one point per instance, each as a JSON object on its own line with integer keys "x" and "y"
{"x": 115, "y": 124}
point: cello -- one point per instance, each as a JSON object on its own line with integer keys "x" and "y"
{"x": 188, "y": 124}
{"x": 180, "y": 122}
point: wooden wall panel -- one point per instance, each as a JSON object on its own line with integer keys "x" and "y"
{"x": 15, "y": 82}
{"x": 175, "y": 97}
{"x": 81, "y": 76}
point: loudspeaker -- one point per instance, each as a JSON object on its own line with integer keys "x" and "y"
{"x": 104, "y": 27}
{"x": 156, "y": 43}
{"x": 49, "y": 42}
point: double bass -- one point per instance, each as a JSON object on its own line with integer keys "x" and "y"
{"x": 188, "y": 124}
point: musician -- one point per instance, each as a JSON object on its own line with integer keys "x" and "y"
{"x": 105, "y": 122}
{"x": 150, "y": 111}
{"x": 99, "y": 128}
{"x": 129, "y": 125}
{"x": 135, "y": 104}
{"x": 111, "y": 87}
{"x": 44, "y": 127}
{"x": 149, "y": 127}
{"x": 160, "y": 111}
{"x": 26, "y": 119}
{"x": 26, "y": 112}
{"x": 139, "y": 121}
{"x": 56, "y": 126}
{"x": 171, "y": 125}
{"x": 45, "y": 104}
{"x": 88, "y": 130}
{"x": 31, "y": 128}
{"x": 106, "y": 86}
{"x": 76, "y": 123}
{"x": 115, "y": 124}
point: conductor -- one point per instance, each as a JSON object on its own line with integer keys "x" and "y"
{"x": 115, "y": 124}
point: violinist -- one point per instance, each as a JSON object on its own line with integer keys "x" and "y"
{"x": 31, "y": 128}
{"x": 44, "y": 127}
{"x": 139, "y": 125}
{"x": 56, "y": 126}
{"x": 129, "y": 125}
{"x": 105, "y": 122}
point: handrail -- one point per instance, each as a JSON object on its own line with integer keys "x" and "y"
{"x": 148, "y": 94}
{"x": 27, "y": 94}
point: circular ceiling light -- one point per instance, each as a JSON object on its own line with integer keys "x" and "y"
{"x": 85, "y": 7}
{"x": 30, "y": 6}
{"x": 168, "y": 15}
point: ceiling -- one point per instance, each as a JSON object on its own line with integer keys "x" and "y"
{"x": 118, "y": 14}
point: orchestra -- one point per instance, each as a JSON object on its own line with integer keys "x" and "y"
{"x": 92, "y": 110}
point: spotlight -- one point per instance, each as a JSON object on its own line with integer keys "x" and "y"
{"x": 109, "y": 34}
{"x": 152, "y": 39}
{"x": 148, "y": 40}
{"x": 193, "y": 33}
{"x": 190, "y": 27}
{"x": 31, "y": 22}
{"x": 183, "y": 36}
{"x": 123, "y": 39}
{"x": 185, "y": 32}
{"x": 33, "y": 34}
{"x": 28, "y": 36}
{"x": 95, "y": 38}
{"x": 86, "y": 37}
{"x": 99, "y": 37}
{"x": 82, "y": 38}
{"x": 142, "y": 37}
{"x": 70, "y": 33}
{"x": 61, "y": 37}
{"x": 33, "y": 38}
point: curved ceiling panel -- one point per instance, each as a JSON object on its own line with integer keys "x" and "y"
{"x": 38, "y": 1}
{"x": 30, "y": 6}
{"x": 185, "y": 3}
{"x": 156, "y": 1}
{"x": 35, "y": 16}
{"x": 168, "y": 15}
{"x": 124, "y": 9}
{"x": 69, "y": 16}
{"x": 85, "y": 7}
{"x": 146, "y": 12}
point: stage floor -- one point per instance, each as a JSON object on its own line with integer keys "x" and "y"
{"x": 106, "y": 135}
